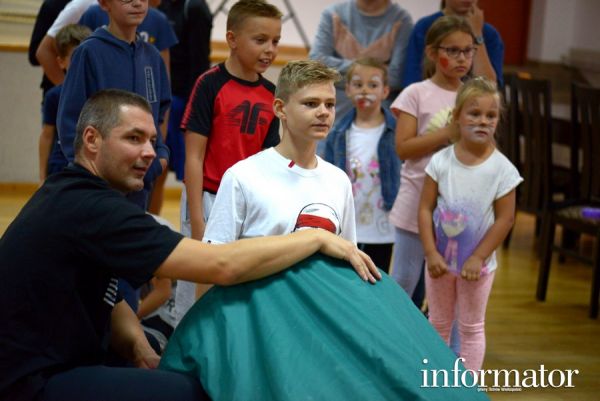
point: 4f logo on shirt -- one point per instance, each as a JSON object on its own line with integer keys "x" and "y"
{"x": 247, "y": 116}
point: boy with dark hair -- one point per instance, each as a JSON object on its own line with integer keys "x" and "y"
{"x": 229, "y": 115}
{"x": 115, "y": 57}
{"x": 362, "y": 143}
{"x": 51, "y": 157}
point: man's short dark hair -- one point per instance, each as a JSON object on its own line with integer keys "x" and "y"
{"x": 103, "y": 112}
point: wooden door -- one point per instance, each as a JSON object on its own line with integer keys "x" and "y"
{"x": 511, "y": 19}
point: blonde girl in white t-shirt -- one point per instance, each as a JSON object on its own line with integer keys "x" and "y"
{"x": 423, "y": 110}
{"x": 466, "y": 210}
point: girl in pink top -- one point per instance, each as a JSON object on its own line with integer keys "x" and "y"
{"x": 423, "y": 111}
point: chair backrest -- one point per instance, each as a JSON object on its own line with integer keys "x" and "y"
{"x": 508, "y": 130}
{"x": 585, "y": 120}
{"x": 534, "y": 102}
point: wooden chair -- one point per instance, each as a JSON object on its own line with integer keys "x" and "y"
{"x": 508, "y": 131}
{"x": 570, "y": 214}
{"x": 533, "y": 124}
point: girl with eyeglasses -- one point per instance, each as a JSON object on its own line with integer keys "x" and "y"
{"x": 423, "y": 110}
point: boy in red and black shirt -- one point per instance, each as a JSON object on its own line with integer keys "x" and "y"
{"x": 229, "y": 115}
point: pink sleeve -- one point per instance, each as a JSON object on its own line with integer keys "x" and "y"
{"x": 407, "y": 101}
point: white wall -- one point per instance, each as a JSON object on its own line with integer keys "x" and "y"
{"x": 587, "y": 17}
{"x": 552, "y": 26}
{"x": 556, "y": 26}
{"x": 20, "y": 118}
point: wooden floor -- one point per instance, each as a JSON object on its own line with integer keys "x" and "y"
{"x": 521, "y": 332}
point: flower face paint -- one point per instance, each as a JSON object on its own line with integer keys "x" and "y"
{"x": 366, "y": 88}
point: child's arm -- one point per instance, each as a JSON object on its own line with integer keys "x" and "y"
{"x": 45, "y": 147}
{"x": 436, "y": 264}
{"x": 409, "y": 145}
{"x": 160, "y": 293}
{"x": 482, "y": 65}
{"x": 127, "y": 338}
{"x": 504, "y": 211}
{"x": 46, "y": 55}
{"x": 195, "y": 150}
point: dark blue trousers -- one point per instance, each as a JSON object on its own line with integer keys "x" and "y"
{"x": 103, "y": 383}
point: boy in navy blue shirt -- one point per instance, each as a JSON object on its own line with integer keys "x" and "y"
{"x": 115, "y": 57}
{"x": 51, "y": 157}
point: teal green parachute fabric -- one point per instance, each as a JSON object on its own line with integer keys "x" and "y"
{"x": 313, "y": 332}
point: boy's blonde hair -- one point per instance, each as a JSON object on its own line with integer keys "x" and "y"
{"x": 298, "y": 74}
{"x": 245, "y": 9}
{"x": 69, "y": 37}
{"x": 474, "y": 87}
{"x": 368, "y": 62}
{"x": 439, "y": 30}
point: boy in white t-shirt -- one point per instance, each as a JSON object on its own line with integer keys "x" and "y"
{"x": 288, "y": 187}
{"x": 363, "y": 144}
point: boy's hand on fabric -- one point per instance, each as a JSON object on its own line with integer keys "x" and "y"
{"x": 340, "y": 248}
{"x": 146, "y": 359}
{"x": 471, "y": 270}
{"x": 436, "y": 264}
